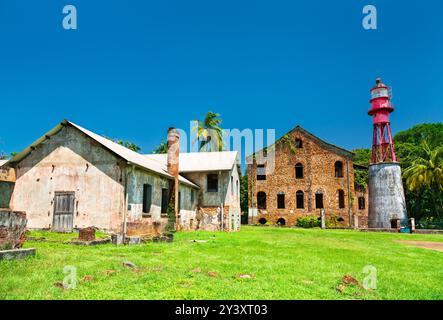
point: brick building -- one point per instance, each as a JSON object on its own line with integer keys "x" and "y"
{"x": 301, "y": 175}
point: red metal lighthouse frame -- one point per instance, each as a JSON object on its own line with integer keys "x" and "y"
{"x": 381, "y": 107}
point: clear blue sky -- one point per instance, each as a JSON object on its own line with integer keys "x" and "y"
{"x": 135, "y": 68}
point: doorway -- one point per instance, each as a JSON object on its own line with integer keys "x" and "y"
{"x": 63, "y": 211}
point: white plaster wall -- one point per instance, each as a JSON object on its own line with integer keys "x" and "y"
{"x": 70, "y": 161}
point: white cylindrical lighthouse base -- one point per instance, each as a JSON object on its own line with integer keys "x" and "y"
{"x": 386, "y": 195}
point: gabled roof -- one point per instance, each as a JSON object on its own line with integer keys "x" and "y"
{"x": 200, "y": 161}
{"x": 130, "y": 156}
{"x": 2, "y": 162}
{"x": 323, "y": 143}
{"x": 326, "y": 145}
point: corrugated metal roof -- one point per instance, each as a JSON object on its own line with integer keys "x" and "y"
{"x": 200, "y": 161}
{"x": 121, "y": 151}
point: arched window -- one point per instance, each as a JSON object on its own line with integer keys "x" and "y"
{"x": 338, "y": 168}
{"x": 280, "y": 200}
{"x": 298, "y": 171}
{"x": 281, "y": 222}
{"x": 262, "y": 221}
{"x": 261, "y": 200}
{"x": 298, "y": 143}
{"x": 361, "y": 203}
{"x": 319, "y": 200}
{"x": 299, "y": 198}
{"x": 341, "y": 199}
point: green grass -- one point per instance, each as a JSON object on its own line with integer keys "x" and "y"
{"x": 284, "y": 264}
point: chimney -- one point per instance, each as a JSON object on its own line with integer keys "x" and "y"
{"x": 173, "y": 154}
{"x": 173, "y": 151}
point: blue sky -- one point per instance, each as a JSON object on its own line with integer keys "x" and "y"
{"x": 134, "y": 68}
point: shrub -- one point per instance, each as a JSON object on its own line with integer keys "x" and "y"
{"x": 430, "y": 223}
{"x": 310, "y": 221}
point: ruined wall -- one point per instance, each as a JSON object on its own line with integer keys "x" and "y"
{"x": 188, "y": 207}
{"x": 209, "y": 215}
{"x": 70, "y": 161}
{"x": 318, "y": 177}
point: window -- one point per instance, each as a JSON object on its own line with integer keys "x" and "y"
{"x": 212, "y": 183}
{"x": 361, "y": 203}
{"x": 165, "y": 200}
{"x": 319, "y": 200}
{"x": 238, "y": 190}
{"x": 338, "y": 169}
{"x": 261, "y": 172}
{"x": 298, "y": 171}
{"x": 232, "y": 185}
{"x": 179, "y": 201}
{"x": 192, "y": 196}
{"x": 147, "y": 196}
{"x": 341, "y": 199}
{"x": 262, "y": 221}
{"x": 280, "y": 200}
{"x": 298, "y": 143}
{"x": 299, "y": 197}
{"x": 261, "y": 200}
{"x": 281, "y": 222}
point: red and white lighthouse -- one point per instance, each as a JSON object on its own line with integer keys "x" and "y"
{"x": 386, "y": 196}
{"x": 382, "y": 144}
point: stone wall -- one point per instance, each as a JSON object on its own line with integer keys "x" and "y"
{"x": 318, "y": 160}
{"x": 12, "y": 229}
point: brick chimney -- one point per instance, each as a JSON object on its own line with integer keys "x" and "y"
{"x": 173, "y": 163}
{"x": 173, "y": 151}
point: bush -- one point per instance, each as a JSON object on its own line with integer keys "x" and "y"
{"x": 310, "y": 221}
{"x": 430, "y": 223}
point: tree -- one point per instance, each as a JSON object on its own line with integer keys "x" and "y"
{"x": 209, "y": 132}
{"x": 127, "y": 144}
{"x": 244, "y": 192}
{"x": 361, "y": 157}
{"x": 162, "y": 148}
{"x": 3, "y": 156}
{"x": 130, "y": 145}
{"x": 426, "y": 172}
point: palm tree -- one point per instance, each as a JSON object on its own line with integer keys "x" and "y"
{"x": 427, "y": 172}
{"x": 161, "y": 148}
{"x": 209, "y": 133}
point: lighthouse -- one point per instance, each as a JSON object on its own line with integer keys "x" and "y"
{"x": 386, "y": 195}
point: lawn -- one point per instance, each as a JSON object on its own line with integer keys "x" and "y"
{"x": 280, "y": 263}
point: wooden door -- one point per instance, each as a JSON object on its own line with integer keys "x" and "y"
{"x": 63, "y": 211}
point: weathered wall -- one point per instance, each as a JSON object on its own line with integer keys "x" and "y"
{"x": 318, "y": 176}
{"x": 7, "y": 174}
{"x": 233, "y": 218}
{"x": 386, "y": 195}
{"x": 188, "y": 208}
{"x": 209, "y": 217}
{"x": 155, "y": 221}
{"x": 70, "y": 161}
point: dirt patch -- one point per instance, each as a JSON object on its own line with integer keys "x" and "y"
{"x": 438, "y": 246}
